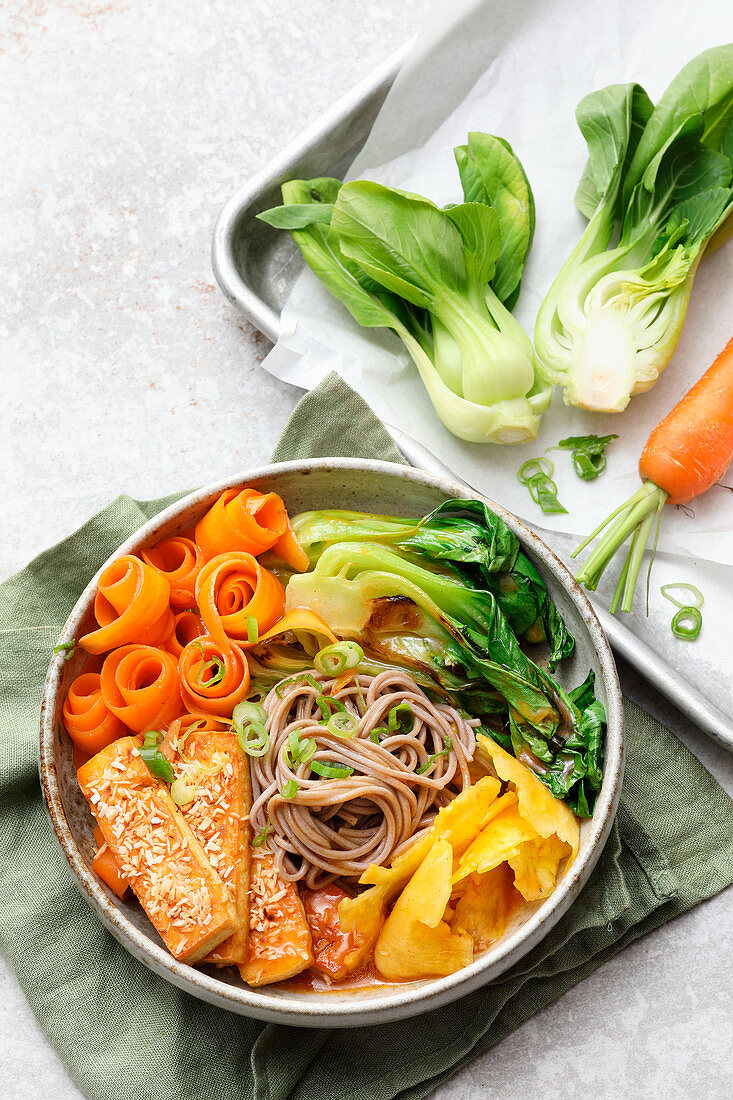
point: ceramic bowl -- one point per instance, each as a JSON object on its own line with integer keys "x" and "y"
{"x": 374, "y": 487}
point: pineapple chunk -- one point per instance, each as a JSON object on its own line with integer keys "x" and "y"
{"x": 537, "y": 805}
{"x": 457, "y": 823}
{"x": 497, "y": 842}
{"x": 415, "y": 941}
{"x": 535, "y": 866}
{"x": 485, "y": 906}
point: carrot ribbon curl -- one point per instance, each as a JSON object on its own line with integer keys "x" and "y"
{"x": 131, "y": 605}
{"x": 88, "y": 720}
{"x": 214, "y": 677}
{"x": 251, "y": 522}
{"x": 179, "y": 560}
{"x": 234, "y": 588}
{"x": 140, "y": 685}
{"x": 187, "y": 628}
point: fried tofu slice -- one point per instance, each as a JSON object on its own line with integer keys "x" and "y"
{"x": 280, "y": 941}
{"x": 157, "y": 852}
{"x": 219, "y": 819}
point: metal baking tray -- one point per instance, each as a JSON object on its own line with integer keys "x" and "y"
{"x": 256, "y": 267}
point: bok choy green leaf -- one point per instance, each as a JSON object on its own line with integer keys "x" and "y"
{"x": 449, "y": 597}
{"x": 442, "y": 279}
{"x": 657, "y": 186}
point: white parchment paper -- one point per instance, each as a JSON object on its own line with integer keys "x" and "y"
{"x": 519, "y": 70}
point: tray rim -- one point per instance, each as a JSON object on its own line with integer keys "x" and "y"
{"x": 238, "y": 291}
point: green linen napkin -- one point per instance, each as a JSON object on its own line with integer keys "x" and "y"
{"x": 125, "y": 1034}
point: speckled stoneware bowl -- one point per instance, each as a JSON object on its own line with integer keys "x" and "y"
{"x": 373, "y": 487}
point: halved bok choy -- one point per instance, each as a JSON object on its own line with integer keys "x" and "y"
{"x": 656, "y": 189}
{"x": 441, "y": 279}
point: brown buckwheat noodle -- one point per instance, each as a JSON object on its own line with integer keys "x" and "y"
{"x": 336, "y": 827}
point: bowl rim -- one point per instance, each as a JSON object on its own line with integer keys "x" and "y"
{"x": 399, "y": 1001}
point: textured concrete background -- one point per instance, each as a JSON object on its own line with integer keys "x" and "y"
{"x": 126, "y": 127}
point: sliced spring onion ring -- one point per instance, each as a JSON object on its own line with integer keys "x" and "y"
{"x": 182, "y": 793}
{"x": 588, "y": 453}
{"x": 687, "y": 623}
{"x": 68, "y": 648}
{"x": 299, "y": 751}
{"x": 260, "y": 838}
{"x": 343, "y": 724}
{"x": 696, "y": 599}
{"x": 253, "y": 630}
{"x": 218, "y": 676}
{"x": 325, "y": 702}
{"x": 303, "y": 678}
{"x": 254, "y": 740}
{"x": 535, "y": 467}
{"x": 374, "y": 735}
{"x": 431, "y": 760}
{"x": 330, "y": 770}
{"x": 393, "y": 721}
{"x": 249, "y": 712}
{"x": 337, "y": 658}
{"x": 536, "y": 474}
{"x": 157, "y": 764}
{"x": 289, "y": 789}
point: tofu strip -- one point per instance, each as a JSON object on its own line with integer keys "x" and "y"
{"x": 157, "y": 852}
{"x": 280, "y": 941}
{"x": 218, "y": 817}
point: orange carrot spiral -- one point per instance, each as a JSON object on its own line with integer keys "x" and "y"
{"x": 88, "y": 720}
{"x": 251, "y": 522}
{"x": 187, "y": 627}
{"x": 214, "y": 678}
{"x": 131, "y": 605}
{"x": 233, "y": 588}
{"x": 140, "y": 685}
{"x": 179, "y": 560}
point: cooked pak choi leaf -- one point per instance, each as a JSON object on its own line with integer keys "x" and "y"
{"x": 449, "y": 597}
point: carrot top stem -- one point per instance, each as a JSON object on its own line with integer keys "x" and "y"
{"x": 634, "y": 518}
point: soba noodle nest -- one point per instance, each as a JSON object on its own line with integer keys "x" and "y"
{"x": 335, "y": 828}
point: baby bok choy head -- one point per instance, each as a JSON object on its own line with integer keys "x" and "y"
{"x": 439, "y": 279}
{"x": 656, "y": 188}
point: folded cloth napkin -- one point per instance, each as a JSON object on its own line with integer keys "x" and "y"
{"x": 124, "y": 1033}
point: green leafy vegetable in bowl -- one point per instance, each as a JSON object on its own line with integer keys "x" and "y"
{"x": 453, "y": 600}
{"x": 656, "y": 188}
{"x": 444, "y": 280}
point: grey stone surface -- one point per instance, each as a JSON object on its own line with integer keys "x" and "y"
{"x": 124, "y": 370}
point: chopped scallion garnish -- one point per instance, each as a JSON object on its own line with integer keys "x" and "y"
{"x": 253, "y": 630}
{"x": 331, "y": 770}
{"x": 536, "y": 474}
{"x": 69, "y": 648}
{"x": 299, "y": 751}
{"x": 687, "y": 621}
{"x": 260, "y": 838}
{"x": 182, "y": 793}
{"x": 343, "y": 724}
{"x": 218, "y": 674}
{"x": 289, "y": 789}
{"x": 696, "y": 597}
{"x": 157, "y": 764}
{"x": 338, "y": 658}
{"x": 395, "y": 721}
{"x": 588, "y": 453}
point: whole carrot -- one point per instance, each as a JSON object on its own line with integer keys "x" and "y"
{"x": 685, "y": 455}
